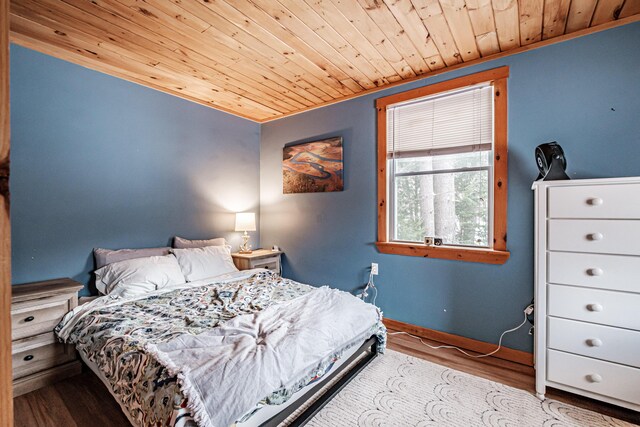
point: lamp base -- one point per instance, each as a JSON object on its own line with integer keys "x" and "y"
{"x": 245, "y": 247}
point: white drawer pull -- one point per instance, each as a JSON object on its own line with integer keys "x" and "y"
{"x": 594, "y": 342}
{"x": 595, "y": 307}
{"x": 596, "y": 201}
{"x": 594, "y": 378}
{"x": 595, "y": 271}
{"x": 595, "y": 236}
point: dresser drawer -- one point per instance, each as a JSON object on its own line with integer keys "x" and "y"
{"x": 594, "y": 270}
{"x": 604, "y": 378}
{"x": 596, "y": 341}
{"x": 37, "y": 317}
{"x": 611, "y": 308}
{"x": 596, "y": 236}
{"x": 38, "y": 353}
{"x": 593, "y": 201}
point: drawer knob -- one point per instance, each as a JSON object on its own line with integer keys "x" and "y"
{"x": 596, "y": 201}
{"x": 594, "y": 342}
{"x": 595, "y": 307}
{"x": 28, "y": 357}
{"x": 595, "y": 236}
{"x": 595, "y": 272}
{"x": 29, "y": 319}
{"x": 594, "y": 378}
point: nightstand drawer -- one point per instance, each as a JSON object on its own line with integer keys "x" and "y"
{"x": 36, "y": 318}
{"x": 268, "y": 264}
{"x": 260, "y": 258}
{"x": 35, "y": 354}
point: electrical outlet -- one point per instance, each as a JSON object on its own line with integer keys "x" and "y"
{"x": 374, "y": 268}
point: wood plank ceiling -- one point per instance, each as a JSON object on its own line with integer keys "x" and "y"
{"x": 263, "y": 59}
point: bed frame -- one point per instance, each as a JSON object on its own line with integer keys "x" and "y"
{"x": 369, "y": 347}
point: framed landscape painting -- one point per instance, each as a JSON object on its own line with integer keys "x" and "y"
{"x": 313, "y": 167}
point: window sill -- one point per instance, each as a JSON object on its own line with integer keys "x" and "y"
{"x": 487, "y": 256}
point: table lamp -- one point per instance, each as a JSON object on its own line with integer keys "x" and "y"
{"x": 245, "y": 221}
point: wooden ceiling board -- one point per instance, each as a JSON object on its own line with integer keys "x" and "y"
{"x": 329, "y": 44}
{"x": 530, "y": 21}
{"x": 457, "y": 16}
{"x": 607, "y": 10}
{"x": 274, "y": 34}
{"x": 432, "y": 17}
{"x": 377, "y": 37}
{"x": 406, "y": 15}
{"x": 484, "y": 26}
{"x": 125, "y": 40}
{"x": 232, "y": 22}
{"x": 554, "y": 19}
{"x": 266, "y": 59}
{"x": 394, "y": 33}
{"x": 222, "y": 48}
{"x": 191, "y": 56}
{"x": 580, "y": 14}
{"x": 328, "y": 12}
{"x": 505, "y": 13}
{"x": 630, "y": 8}
{"x": 318, "y": 52}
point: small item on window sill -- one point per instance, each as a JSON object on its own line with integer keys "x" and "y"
{"x": 432, "y": 241}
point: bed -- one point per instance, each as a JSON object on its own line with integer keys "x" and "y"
{"x": 244, "y": 348}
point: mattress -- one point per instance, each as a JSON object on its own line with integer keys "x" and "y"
{"x": 261, "y": 413}
{"x": 158, "y": 355}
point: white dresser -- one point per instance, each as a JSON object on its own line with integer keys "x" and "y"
{"x": 587, "y": 288}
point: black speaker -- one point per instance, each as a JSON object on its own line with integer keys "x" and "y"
{"x": 551, "y": 162}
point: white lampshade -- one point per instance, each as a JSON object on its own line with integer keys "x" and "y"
{"x": 246, "y": 221}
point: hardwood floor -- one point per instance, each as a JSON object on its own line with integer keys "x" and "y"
{"x": 83, "y": 401}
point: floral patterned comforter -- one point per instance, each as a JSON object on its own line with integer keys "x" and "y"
{"x": 113, "y": 334}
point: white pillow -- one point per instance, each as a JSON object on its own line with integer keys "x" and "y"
{"x": 139, "y": 276}
{"x": 202, "y": 263}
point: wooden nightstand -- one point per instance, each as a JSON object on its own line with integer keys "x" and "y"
{"x": 38, "y": 359}
{"x": 260, "y": 258}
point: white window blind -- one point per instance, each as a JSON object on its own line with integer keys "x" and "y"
{"x": 453, "y": 122}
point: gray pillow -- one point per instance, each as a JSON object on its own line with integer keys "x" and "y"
{"x": 180, "y": 243}
{"x": 107, "y": 256}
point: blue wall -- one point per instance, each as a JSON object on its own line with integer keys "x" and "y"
{"x": 100, "y": 162}
{"x": 584, "y": 93}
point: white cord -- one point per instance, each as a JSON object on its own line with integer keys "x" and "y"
{"x": 462, "y": 351}
{"x": 363, "y": 295}
{"x": 375, "y": 295}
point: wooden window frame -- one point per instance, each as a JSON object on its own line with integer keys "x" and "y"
{"x": 498, "y": 254}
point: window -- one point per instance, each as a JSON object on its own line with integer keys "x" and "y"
{"x": 442, "y": 157}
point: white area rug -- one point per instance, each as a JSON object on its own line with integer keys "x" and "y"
{"x": 400, "y": 390}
